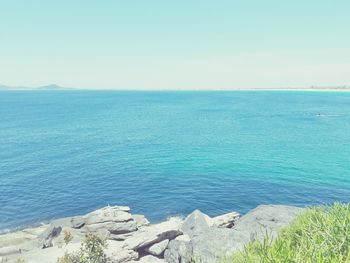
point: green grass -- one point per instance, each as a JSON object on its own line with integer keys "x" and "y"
{"x": 320, "y": 234}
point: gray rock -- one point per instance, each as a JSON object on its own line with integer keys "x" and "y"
{"x": 152, "y": 234}
{"x": 76, "y": 237}
{"x": 179, "y": 250}
{"x": 207, "y": 238}
{"x": 226, "y": 220}
{"x": 46, "y": 238}
{"x": 158, "y": 248}
{"x": 213, "y": 244}
{"x": 140, "y": 220}
{"x": 113, "y": 227}
{"x": 267, "y": 218}
{"x": 150, "y": 259}
{"x": 24, "y": 246}
{"x": 20, "y": 241}
{"x": 108, "y": 214}
{"x": 117, "y": 254}
{"x": 195, "y": 223}
{"x": 63, "y": 222}
{"x": 120, "y": 237}
{"x": 48, "y": 255}
{"x": 77, "y": 222}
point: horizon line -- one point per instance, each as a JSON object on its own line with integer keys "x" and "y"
{"x": 56, "y": 87}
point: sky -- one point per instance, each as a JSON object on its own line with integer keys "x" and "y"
{"x": 182, "y": 44}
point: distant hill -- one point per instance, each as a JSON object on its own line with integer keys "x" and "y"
{"x": 47, "y": 87}
{"x": 53, "y": 87}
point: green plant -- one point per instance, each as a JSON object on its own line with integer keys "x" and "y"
{"x": 91, "y": 251}
{"x": 93, "y": 247}
{"x": 69, "y": 258}
{"x": 67, "y": 236}
{"x": 320, "y": 234}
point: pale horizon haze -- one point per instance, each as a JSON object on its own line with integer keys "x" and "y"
{"x": 159, "y": 44}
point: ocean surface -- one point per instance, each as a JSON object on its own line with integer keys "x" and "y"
{"x": 66, "y": 153}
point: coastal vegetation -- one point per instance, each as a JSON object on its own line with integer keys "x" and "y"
{"x": 320, "y": 234}
{"x": 68, "y": 237}
{"x": 91, "y": 251}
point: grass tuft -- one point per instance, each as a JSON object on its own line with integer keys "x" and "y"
{"x": 320, "y": 234}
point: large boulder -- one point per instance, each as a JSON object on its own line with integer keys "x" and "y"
{"x": 179, "y": 249}
{"x": 267, "y": 219}
{"x": 111, "y": 222}
{"x": 152, "y": 234}
{"x": 214, "y": 243}
{"x": 195, "y": 223}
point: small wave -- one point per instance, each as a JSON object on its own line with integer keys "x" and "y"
{"x": 329, "y": 115}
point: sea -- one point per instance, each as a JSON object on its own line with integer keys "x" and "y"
{"x": 166, "y": 153}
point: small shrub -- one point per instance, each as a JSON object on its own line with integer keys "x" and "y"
{"x": 91, "y": 251}
{"x": 67, "y": 236}
{"x": 70, "y": 258}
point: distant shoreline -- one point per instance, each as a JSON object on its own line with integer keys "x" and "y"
{"x": 186, "y": 90}
{"x": 54, "y": 87}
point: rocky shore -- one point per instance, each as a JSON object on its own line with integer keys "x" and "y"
{"x": 131, "y": 238}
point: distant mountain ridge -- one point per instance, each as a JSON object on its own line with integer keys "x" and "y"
{"x": 47, "y": 87}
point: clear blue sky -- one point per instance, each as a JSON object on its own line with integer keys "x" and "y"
{"x": 182, "y": 44}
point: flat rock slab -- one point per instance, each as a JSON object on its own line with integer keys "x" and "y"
{"x": 108, "y": 214}
{"x": 47, "y": 255}
{"x": 158, "y": 248}
{"x": 113, "y": 227}
{"x": 22, "y": 236}
{"x": 267, "y": 218}
{"x": 150, "y": 235}
{"x": 118, "y": 254}
{"x": 226, "y": 220}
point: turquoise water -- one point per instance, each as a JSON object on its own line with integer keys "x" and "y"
{"x": 168, "y": 153}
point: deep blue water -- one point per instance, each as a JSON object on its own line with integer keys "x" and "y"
{"x": 168, "y": 153}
